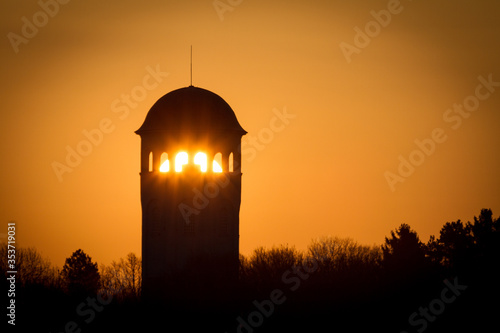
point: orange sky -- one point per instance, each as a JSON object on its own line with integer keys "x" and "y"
{"x": 356, "y": 102}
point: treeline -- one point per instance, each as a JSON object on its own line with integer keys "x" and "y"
{"x": 79, "y": 276}
{"x": 448, "y": 284}
{"x": 404, "y": 285}
{"x": 52, "y": 299}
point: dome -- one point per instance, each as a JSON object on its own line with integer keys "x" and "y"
{"x": 191, "y": 109}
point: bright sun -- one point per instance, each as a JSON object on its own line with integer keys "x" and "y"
{"x": 182, "y": 159}
{"x": 217, "y": 167}
{"x": 165, "y": 166}
{"x": 201, "y": 160}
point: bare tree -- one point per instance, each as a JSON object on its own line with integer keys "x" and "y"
{"x": 266, "y": 267}
{"x": 32, "y": 268}
{"x": 123, "y": 278}
{"x": 335, "y": 254}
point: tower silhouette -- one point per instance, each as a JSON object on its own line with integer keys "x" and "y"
{"x": 190, "y": 194}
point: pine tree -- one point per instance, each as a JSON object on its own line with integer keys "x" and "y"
{"x": 80, "y": 274}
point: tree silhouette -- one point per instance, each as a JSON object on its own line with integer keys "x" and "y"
{"x": 404, "y": 254}
{"x": 452, "y": 249}
{"x": 486, "y": 232}
{"x": 133, "y": 270}
{"x": 264, "y": 269}
{"x": 123, "y": 278}
{"x": 80, "y": 274}
{"x": 32, "y": 268}
{"x": 486, "y": 244}
{"x": 334, "y": 255}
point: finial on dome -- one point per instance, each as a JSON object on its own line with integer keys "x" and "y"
{"x": 191, "y": 69}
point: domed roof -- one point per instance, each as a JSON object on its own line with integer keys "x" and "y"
{"x": 191, "y": 109}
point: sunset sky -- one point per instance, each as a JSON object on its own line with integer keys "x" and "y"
{"x": 359, "y": 90}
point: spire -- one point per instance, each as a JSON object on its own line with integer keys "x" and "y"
{"x": 191, "y": 69}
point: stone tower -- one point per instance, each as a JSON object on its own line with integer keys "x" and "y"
{"x": 190, "y": 194}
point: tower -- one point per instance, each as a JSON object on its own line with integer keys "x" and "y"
{"x": 190, "y": 193}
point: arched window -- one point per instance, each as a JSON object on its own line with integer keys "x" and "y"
{"x": 201, "y": 160}
{"x": 164, "y": 163}
{"x": 180, "y": 160}
{"x": 150, "y": 168}
{"x": 217, "y": 164}
{"x": 231, "y": 162}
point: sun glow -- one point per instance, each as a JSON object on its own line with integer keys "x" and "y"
{"x": 216, "y": 167}
{"x": 165, "y": 166}
{"x": 182, "y": 159}
{"x": 201, "y": 160}
{"x": 164, "y": 163}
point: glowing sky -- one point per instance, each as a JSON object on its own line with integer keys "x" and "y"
{"x": 333, "y": 94}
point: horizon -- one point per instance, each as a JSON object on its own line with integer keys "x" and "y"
{"x": 250, "y": 254}
{"x": 360, "y": 117}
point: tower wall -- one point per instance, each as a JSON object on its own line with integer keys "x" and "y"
{"x": 190, "y": 229}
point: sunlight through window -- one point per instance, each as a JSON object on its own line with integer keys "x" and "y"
{"x": 180, "y": 160}
{"x": 231, "y": 162}
{"x": 217, "y": 167}
{"x": 165, "y": 165}
{"x": 201, "y": 160}
{"x": 150, "y": 168}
